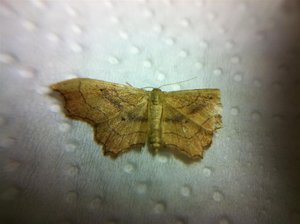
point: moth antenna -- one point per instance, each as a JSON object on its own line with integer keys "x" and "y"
{"x": 129, "y": 84}
{"x": 178, "y": 82}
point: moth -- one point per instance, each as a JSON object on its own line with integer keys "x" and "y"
{"x": 124, "y": 117}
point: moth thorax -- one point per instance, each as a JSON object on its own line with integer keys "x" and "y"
{"x": 155, "y": 96}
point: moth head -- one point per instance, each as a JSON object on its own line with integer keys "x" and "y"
{"x": 156, "y": 90}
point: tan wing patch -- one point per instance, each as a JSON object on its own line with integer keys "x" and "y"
{"x": 190, "y": 119}
{"x": 118, "y": 113}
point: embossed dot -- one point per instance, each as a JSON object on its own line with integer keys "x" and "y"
{"x": 71, "y": 147}
{"x": 72, "y": 170}
{"x": 235, "y": 60}
{"x": 29, "y": 25}
{"x": 170, "y": 41}
{"x": 71, "y": 197}
{"x": 157, "y": 28}
{"x": 75, "y": 47}
{"x": 71, "y": 11}
{"x": 64, "y": 127}
{"x": 109, "y": 3}
{"x": 12, "y": 165}
{"x": 185, "y": 191}
{"x": 9, "y": 194}
{"x": 218, "y": 72}
{"x": 123, "y": 34}
{"x": 42, "y": 90}
{"x": 141, "y": 188}
{"x": 6, "y": 142}
{"x": 148, "y": 13}
{"x": 27, "y": 72}
{"x": 256, "y": 115}
{"x": 159, "y": 207}
{"x": 237, "y": 77}
{"x": 134, "y": 50}
{"x": 128, "y": 168}
{"x": 207, "y": 171}
{"x": 55, "y": 108}
{"x": 185, "y": 22}
{"x": 218, "y": 196}
{"x": 113, "y": 60}
{"x": 183, "y": 53}
{"x": 147, "y": 63}
{"x": 168, "y": 2}
{"x": 199, "y": 65}
{"x": 199, "y": 3}
{"x": 160, "y": 76}
{"x": 96, "y": 203}
{"x": 39, "y": 3}
{"x": 114, "y": 19}
{"x": 7, "y": 58}
{"x": 162, "y": 158}
{"x": 72, "y": 76}
{"x": 76, "y": 29}
{"x": 229, "y": 44}
{"x": 52, "y": 37}
{"x": 234, "y": 111}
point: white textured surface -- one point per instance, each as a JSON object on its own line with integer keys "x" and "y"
{"x": 53, "y": 172}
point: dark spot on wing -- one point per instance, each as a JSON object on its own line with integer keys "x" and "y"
{"x": 176, "y": 119}
{"x": 131, "y": 116}
{"x": 196, "y": 109}
{"x": 112, "y": 96}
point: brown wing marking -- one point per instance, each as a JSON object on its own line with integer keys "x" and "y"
{"x": 190, "y": 119}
